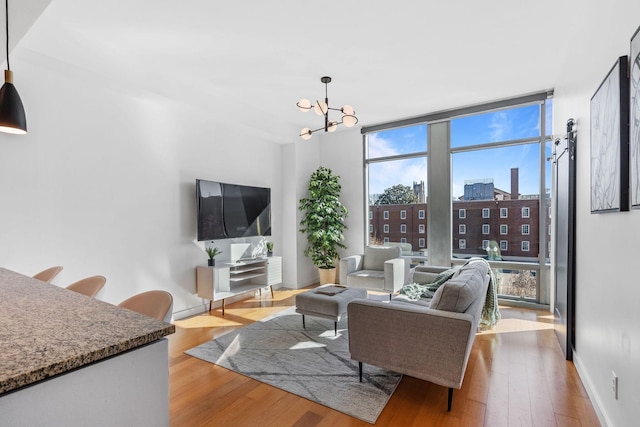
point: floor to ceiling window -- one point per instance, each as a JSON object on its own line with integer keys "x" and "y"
{"x": 499, "y": 204}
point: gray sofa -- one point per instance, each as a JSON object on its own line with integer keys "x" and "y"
{"x": 431, "y": 342}
{"x": 379, "y": 268}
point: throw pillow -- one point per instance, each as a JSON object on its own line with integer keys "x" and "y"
{"x": 458, "y": 293}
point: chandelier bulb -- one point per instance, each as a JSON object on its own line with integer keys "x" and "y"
{"x": 304, "y": 105}
{"x": 349, "y": 120}
{"x": 348, "y": 110}
{"x": 306, "y": 134}
{"x": 332, "y": 126}
{"x": 321, "y": 108}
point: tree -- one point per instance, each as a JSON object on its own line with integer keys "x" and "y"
{"x": 324, "y": 217}
{"x": 397, "y": 195}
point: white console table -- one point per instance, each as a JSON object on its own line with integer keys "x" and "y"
{"x": 231, "y": 279}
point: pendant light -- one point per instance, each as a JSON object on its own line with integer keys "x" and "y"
{"x": 349, "y": 118}
{"x": 12, "y": 118}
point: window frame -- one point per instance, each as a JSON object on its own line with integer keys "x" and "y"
{"x": 506, "y": 212}
{"x": 527, "y": 227}
{"x": 462, "y": 213}
{"x": 462, "y": 244}
{"x": 488, "y": 213}
{"x": 486, "y": 229}
{"x": 526, "y": 209}
{"x": 523, "y": 244}
{"x": 504, "y": 245}
{"x": 504, "y": 227}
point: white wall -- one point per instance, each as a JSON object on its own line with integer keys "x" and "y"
{"x": 607, "y": 291}
{"x": 104, "y": 183}
{"x": 342, "y": 152}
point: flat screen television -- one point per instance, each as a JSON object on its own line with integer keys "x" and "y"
{"x": 229, "y": 210}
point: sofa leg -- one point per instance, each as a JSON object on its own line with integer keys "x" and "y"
{"x": 360, "y": 369}
{"x": 450, "y": 399}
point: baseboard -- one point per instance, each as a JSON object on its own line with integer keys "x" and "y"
{"x": 177, "y": 315}
{"x": 591, "y": 391}
{"x": 199, "y": 309}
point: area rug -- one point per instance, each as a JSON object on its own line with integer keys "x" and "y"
{"x": 311, "y": 362}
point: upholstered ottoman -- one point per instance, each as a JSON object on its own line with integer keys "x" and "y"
{"x": 327, "y": 301}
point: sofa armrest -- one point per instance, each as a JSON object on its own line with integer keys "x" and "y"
{"x": 396, "y": 271}
{"x": 349, "y": 265}
{"x": 433, "y": 345}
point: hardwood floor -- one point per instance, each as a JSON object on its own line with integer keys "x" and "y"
{"x": 516, "y": 376}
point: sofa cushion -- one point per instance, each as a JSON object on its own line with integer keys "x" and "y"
{"x": 459, "y": 292}
{"x": 368, "y": 279}
{"x": 375, "y": 256}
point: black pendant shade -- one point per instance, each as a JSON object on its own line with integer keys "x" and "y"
{"x": 12, "y": 118}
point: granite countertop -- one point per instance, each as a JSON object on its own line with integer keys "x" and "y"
{"x": 46, "y": 330}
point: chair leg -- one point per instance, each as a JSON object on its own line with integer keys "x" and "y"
{"x": 271, "y": 289}
{"x": 335, "y": 328}
{"x": 450, "y": 399}
{"x": 303, "y": 325}
{"x": 360, "y": 369}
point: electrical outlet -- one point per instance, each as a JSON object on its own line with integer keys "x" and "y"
{"x": 614, "y": 385}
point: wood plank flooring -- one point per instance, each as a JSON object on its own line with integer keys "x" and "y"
{"x": 516, "y": 376}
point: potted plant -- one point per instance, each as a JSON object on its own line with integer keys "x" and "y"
{"x": 269, "y": 248}
{"x": 212, "y": 251}
{"x": 324, "y": 222}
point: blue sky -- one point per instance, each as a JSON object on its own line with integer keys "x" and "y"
{"x": 496, "y": 163}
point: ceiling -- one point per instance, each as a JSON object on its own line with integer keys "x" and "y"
{"x": 247, "y": 62}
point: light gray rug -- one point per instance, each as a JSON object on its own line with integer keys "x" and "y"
{"x": 311, "y": 362}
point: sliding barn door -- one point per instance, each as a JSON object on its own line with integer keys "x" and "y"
{"x": 565, "y": 198}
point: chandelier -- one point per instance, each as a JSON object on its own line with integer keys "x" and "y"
{"x": 321, "y": 108}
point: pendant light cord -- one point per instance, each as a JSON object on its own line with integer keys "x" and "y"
{"x": 6, "y": 20}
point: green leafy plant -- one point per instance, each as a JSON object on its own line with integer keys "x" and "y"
{"x": 269, "y": 246}
{"x": 324, "y": 218}
{"x": 212, "y": 251}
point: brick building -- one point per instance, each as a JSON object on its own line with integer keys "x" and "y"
{"x": 507, "y": 221}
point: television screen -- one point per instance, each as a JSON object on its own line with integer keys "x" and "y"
{"x": 229, "y": 210}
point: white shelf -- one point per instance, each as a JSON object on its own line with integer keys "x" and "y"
{"x": 231, "y": 279}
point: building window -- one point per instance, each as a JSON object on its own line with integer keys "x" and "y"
{"x": 462, "y": 244}
{"x": 486, "y": 213}
{"x": 462, "y": 229}
{"x": 386, "y": 240}
{"x": 525, "y": 246}
{"x": 504, "y": 245}
{"x": 504, "y": 229}
{"x": 525, "y": 229}
{"x": 403, "y": 214}
{"x": 403, "y": 228}
{"x": 421, "y": 242}
{"x": 421, "y": 228}
{"x": 485, "y": 244}
{"x": 403, "y": 240}
{"x": 525, "y": 212}
{"x": 385, "y": 228}
{"x": 504, "y": 212}
{"x": 421, "y": 214}
{"x": 485, "y": 228}
{"x": 462, "y": 213}
{"x": 370, "y": 228}
{"x": 385, "y": 214}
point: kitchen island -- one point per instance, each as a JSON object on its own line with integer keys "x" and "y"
{"x": 67, "y": 359}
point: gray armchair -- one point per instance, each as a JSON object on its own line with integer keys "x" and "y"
{"x": 380, "y": 268}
